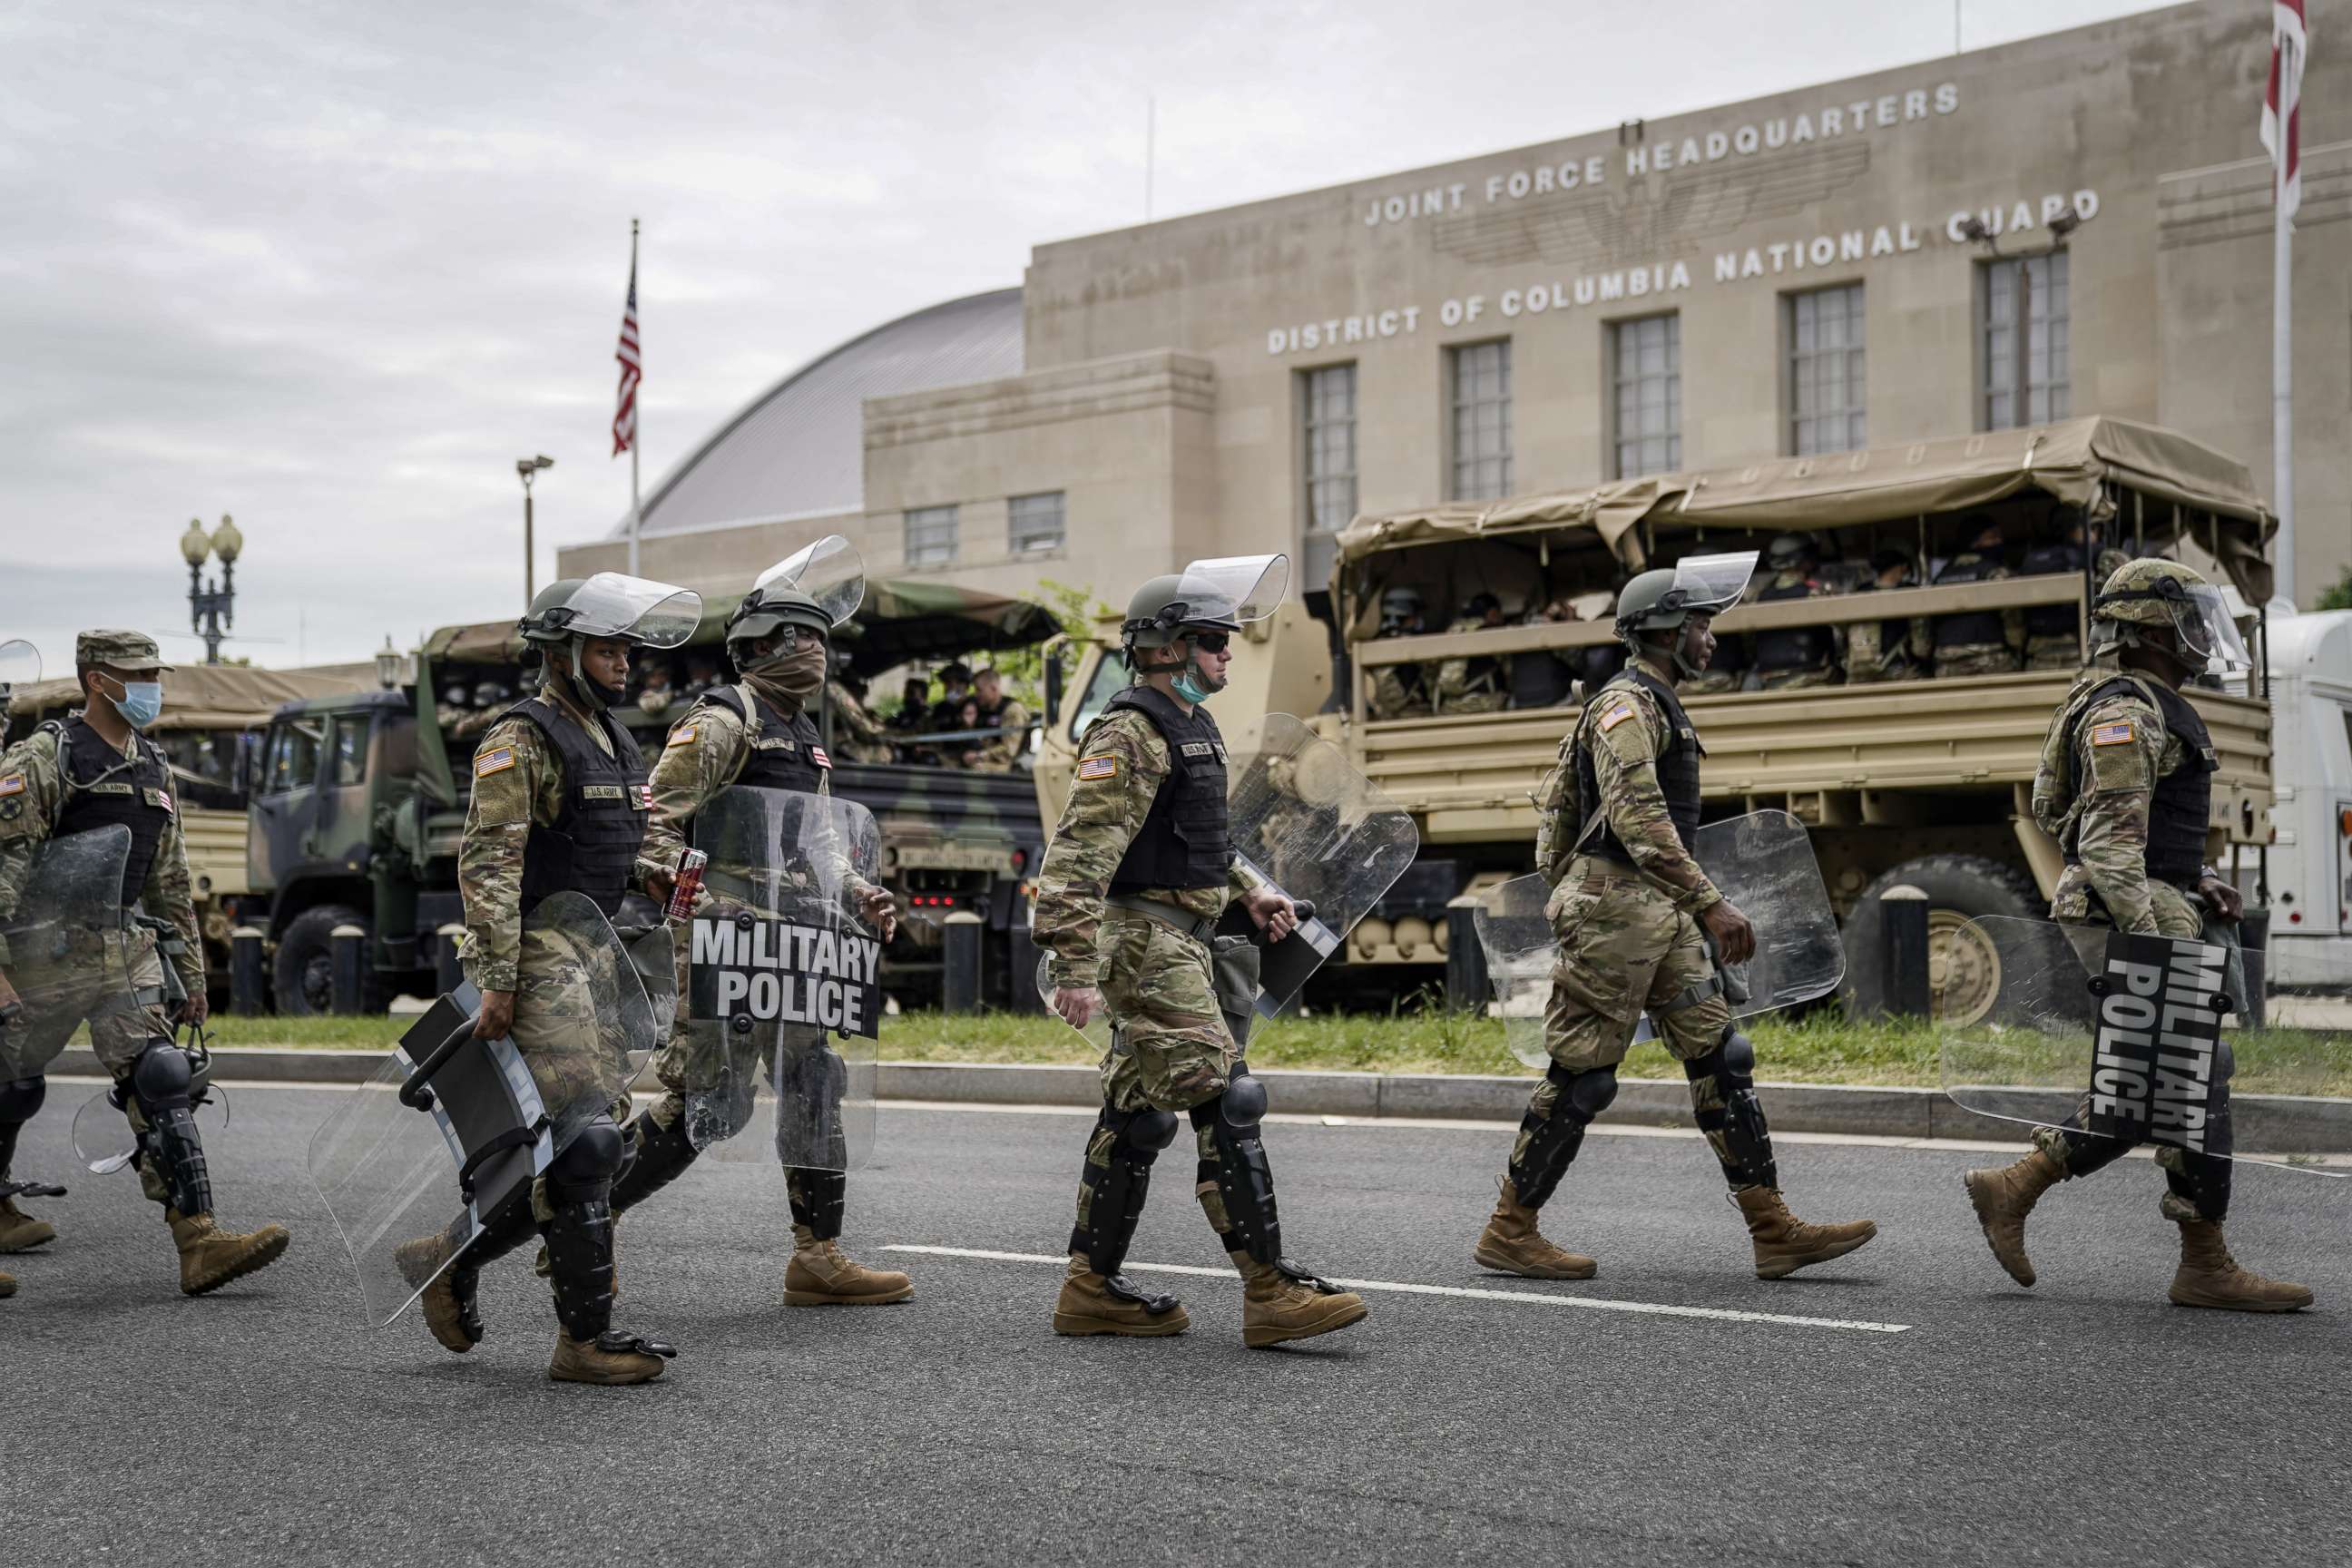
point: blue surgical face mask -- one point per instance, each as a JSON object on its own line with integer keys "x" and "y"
{"x": 1190, "y": 688}
{"x": 141, "y": 703}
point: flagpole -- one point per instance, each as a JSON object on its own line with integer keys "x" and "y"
{"x": 2283, "y": 386}
{"x": 637, "y": 433}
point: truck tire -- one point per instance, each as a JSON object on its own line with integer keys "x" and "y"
{"x": 1959, "y": 888}
{"x": 303, "y": 976}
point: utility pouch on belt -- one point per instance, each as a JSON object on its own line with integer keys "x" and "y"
{"x": 1233, "y": 974}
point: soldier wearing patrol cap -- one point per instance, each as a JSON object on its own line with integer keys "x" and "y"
{"x": 1635, "y": 917}
{"x": 90, "y": 771}
{"x": 2125, "y": 788}
{"x": 1129, "y": 895}
{"x": 756, "y": 733}
{"x": 559, "y": 804}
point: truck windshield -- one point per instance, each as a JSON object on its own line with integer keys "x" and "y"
{"x": 1108, "y": 679}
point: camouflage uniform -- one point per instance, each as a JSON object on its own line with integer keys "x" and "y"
{"x": 519, "y": 781}
{"x": 1985, "y": 656}
{"x": 1400, "y": 691}
{"x": 1466, "y": 685}
{"x": 861, "y": 737}
{"x": 1173, "y": 1051}
{"x": 1869, "y": 661}
{"x": 2104, "y": 816}
{"x": 996, "y": 755}
{"x": 1796, "y": 583}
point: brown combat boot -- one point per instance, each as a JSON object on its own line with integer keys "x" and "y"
{"x": 1091, "y": 1304}
{"x": 2003, "y": 1197}
{"x": 611, "y": 1359}
{"x": 210, "y": 1257}
{"x": 822, "y": 1275}
{"x": 452, "y": 1323}
{"x": 1511, "y": 1245}
{"x": 1280, "y": 1303}
{"x": 20, "y": 1232}
{"x": 7, "y": 1286}
{"x": 1784, "y": 1243}
{"x": 2209, "y": 1276}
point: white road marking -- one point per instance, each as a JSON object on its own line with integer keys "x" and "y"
{"x": 1587, "y": 1303}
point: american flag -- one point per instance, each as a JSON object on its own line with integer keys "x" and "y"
{"x": 2290, "y": 43}
{"x": 625, "y": 417}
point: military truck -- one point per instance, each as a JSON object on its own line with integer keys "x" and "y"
{"x": 1925, "y": 782}
{"x": 211, "y": 730}
{"x": 359, "y": 803}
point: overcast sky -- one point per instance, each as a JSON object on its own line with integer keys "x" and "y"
{"x": 332, "y": 267}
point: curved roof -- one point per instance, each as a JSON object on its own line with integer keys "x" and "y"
{"x": 798, "y": 449}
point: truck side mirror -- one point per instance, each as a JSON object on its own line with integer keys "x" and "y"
{"x": 1054, "y": 687}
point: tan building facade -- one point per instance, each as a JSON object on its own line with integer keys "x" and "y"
{"x": 1765, "y": 282}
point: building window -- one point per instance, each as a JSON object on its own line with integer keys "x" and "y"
{"x": 1482, "y": 420}
{"x": 1037, "y": 523}
{"x": 2024, "y": 371}
{"x": 1646, "y": 366}
{"x": 1331, "y": 410}
{"x": 930, "y": 535}
{"x": 1825, "y": 389}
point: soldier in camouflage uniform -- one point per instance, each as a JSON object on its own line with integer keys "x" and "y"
{"x": 1006, "y": 716}
{"x": 1636, "y": 918}
{"x": 1466, "y": 685}
{"x": 1895, "y": 649}
{"x": 1791, "y": 659}
{"x": 88, "y": 772}
{"x": 756, "y": 734}
{"x": 861, "y": 736}
{"x": 1129, "y": 895}
{"x": 1978, "y": 642}
{"x": 1400, "y": 690}
{"x": 2125, "y": 788}
{"x": 2052, "y": 640}
{"x": 559, "y": 804}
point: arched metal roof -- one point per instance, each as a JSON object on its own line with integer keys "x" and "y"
{"x": 798, "y": 449}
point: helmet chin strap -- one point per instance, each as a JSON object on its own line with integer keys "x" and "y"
{"x": 594, "y": 697}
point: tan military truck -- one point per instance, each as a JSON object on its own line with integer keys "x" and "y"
{"x": 1922, "y": 781}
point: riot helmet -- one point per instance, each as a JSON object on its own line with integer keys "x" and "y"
{"x": 1217, "y": 596}
{"x": 1667, "y": 598}
{"x": 811, "y": 591}
{"x": 1400, "y": 608}
{"x": 2172, "y": 610}
{"x": 576, "y": 611}
{"x": 1788, "y": 552}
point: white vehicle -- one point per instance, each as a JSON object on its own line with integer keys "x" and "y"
{"x": 2311, "y": 814}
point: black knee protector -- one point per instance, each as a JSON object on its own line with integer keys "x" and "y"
{"x": 21, "y": 1101}
{"x": 817, "y": 1198}
{"x": 1552, "y": 1130}
{"x": 1724, "y": 1104}
{"x": 658, "y": 1155}
{"x": 1245, "y": 1099}
{"x": 582, "y": 1171}
{"x": 579, "y": 1236}
{"x": 1114, "y": 1181}
{"x": 162, "y": 1081}
{"x": 1234, "y": 1173}
{"x": 163, "y": 1078}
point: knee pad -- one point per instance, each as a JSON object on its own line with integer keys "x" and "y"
{"x": 1586, "y": 1093}
{"x": 21, "y": 1101}
{"x": 1725, "y": 1106}
{"x": 1732, "y": 1063}
{"x": 583, "y": 1171}
{"x": 1148, "y": 1131}
{"x": 1244, "y": 1101}
{"x": 161, "y": 1077}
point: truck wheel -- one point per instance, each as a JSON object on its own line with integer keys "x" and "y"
{"x": 1964, "y": 968}
{"x": 305, "y": 969}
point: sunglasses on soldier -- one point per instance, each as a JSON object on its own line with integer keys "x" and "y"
{"x": 1211, "y": 642}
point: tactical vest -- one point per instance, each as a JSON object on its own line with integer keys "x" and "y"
{"x": 102, "y": 789}
{"x": 1975, "y": 628}
{"x": 1895, "y": 633}
{"x": 591, "y": 845}
{"x": 2048, "y": 561}
{"x": 1791, "y": 648}
{"x": 1182, "y": 842}
{"x": 991, "y": 715}
{"x": 786, "y": 753}
{"x": 1677, "y": 767}
{"x": 2180, "y": 807}
{"x": 1538, "y": 679}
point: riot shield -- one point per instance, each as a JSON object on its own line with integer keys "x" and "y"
{"x": 451, "y": 1127}
{"x": 67, "y": 948}
{"x": 783, "y": 993}
{"x": 1304, "y": 822}
{"x": 2143, "y": 1039}
{"x": 1763, "y": 862}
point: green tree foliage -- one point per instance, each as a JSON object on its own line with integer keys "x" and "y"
{"x": 2338, "y": 597}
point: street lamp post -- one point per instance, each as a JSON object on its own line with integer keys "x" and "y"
{"x": 529, "y": 468}
{"x": 211, "y": 606}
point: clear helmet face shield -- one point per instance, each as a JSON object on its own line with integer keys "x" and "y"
{"x": 1233, "y": 589}
{"x": 613, "y": 605}
{"x": 830, "y": 571}
{"x": 2209, "y": 633}
{"x": 1709, "y": 584}
{"x": 20, "y": 663}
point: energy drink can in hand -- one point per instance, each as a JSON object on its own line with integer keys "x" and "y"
{"x": 690, "y": 882}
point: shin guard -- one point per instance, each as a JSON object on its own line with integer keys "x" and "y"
{"x": 1552, "y": 1130}
{"x": 1114, "y": 1183}
{"x": 1724, "y": 1104}
{"x": 817, "y": 1198}
{"x": 1235, "y": 1184}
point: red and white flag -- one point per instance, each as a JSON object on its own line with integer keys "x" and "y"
{"x": 2282, "y": 104}
{"x": 625, "y": 416}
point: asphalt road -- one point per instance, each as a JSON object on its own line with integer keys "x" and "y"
{"x": 2085, "y": 1421}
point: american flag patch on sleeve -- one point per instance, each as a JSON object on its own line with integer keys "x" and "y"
{"x": 816, "y": 754}
{"x": 1615, "y": 716}
{"x": 682, "y": 735}
{"x": 2118, "y": 733}
{"x": 1101, "y": 767}
{"x": 13, "y": 784}
{"x": 496, "y": 761}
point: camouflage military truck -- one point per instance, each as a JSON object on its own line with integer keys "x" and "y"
{"x": 211, "y": 730}
{"x": 1922, "y": 781}
{"x": 358, "y": 803}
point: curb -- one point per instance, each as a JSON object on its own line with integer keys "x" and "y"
{"x": 1861, "y": 1110}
